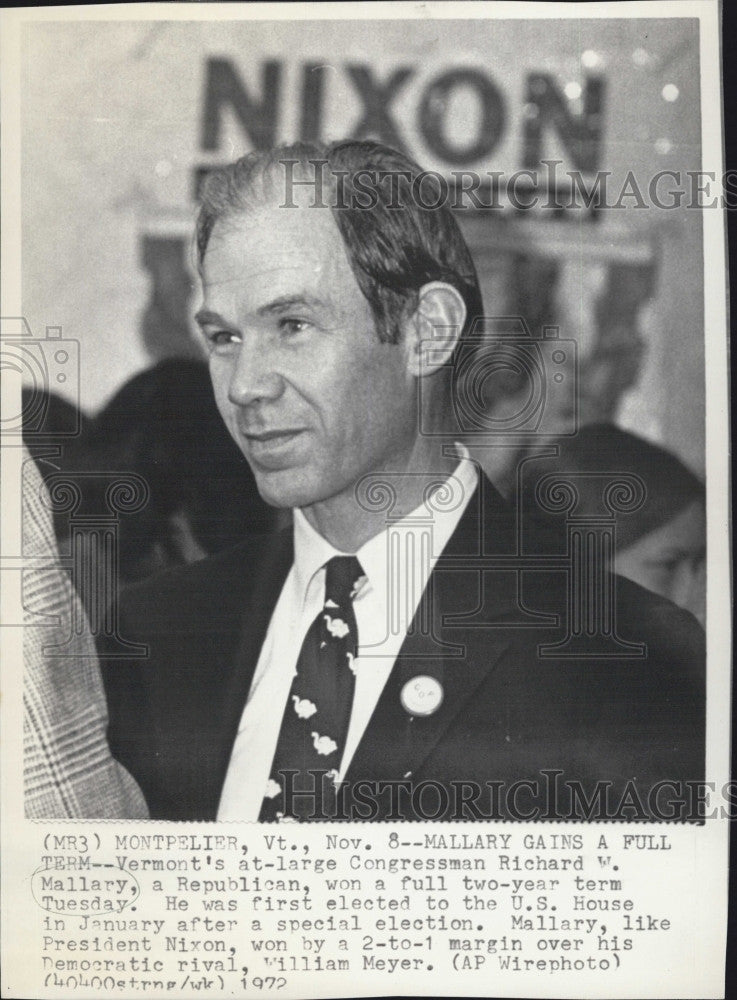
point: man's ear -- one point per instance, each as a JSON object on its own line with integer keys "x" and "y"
{"x": 432, "y": 332}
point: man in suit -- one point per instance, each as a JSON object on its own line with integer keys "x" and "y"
{"x": 408, "y": 650}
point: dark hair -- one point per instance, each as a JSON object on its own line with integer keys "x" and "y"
{"x": 399, "y": 233}
{"x": 49, "y": 419}
{"x": 670, "y": 487}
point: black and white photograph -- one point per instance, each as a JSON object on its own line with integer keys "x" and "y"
{"x": 365, "y": 499}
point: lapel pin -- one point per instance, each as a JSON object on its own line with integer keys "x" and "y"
{"x": 422, "y": 695}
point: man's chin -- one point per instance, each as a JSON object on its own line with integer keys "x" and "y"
{"x": 285, "y": 489}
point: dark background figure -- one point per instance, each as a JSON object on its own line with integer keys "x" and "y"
{"x": 49, "y": 423}
{"x": 662, "y": 544}
{"x": 163, "y": 426}
{"x": 52, "y": 431}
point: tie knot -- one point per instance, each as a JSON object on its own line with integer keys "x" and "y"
{"x": 342, "y": 573}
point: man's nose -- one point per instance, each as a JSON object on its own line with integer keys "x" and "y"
{"x": 255, "y": 375}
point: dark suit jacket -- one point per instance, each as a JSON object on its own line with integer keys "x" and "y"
{"x": 620, "y": 701}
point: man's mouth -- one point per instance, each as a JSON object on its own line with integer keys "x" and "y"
{"x": 276, "y": 435}
{"x": 271, "y": 447}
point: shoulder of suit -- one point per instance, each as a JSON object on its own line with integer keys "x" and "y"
{"x": 648, "y": 606}
{"x": 671, "y": 641}
{"x": 662, "y": 624}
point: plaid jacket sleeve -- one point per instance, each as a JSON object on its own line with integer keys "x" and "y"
{"x": 69, "y": 771}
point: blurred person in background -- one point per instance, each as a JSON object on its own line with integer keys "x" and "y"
{"x": 662, "y": 544}
{"x": 49, "y": 421}
{"x": 602, "y": 317}
{"x": 163, "y": 425}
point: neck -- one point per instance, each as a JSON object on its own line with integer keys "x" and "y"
{"x": 351, "y": 518}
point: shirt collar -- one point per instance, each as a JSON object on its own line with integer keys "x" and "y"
{"x": 312, "y": 551}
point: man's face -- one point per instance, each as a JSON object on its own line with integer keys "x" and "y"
{"x": 311, "y": 396}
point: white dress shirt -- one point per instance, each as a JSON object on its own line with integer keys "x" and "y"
{"x": 397, "y": 564}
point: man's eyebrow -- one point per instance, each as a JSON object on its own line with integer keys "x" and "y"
{"x": 286, "y": 302}
{"x": 207, "y": 318}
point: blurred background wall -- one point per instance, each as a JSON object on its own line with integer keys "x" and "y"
{"x": 121, "y": 119}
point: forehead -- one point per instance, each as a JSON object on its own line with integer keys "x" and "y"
{"x": 270, "y": 250}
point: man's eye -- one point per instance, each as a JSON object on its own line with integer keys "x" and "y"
{"x": 293, "y": 324}
{"x": 220, "y": 338}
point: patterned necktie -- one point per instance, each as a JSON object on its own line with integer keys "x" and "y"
{"x": 315, "y": 722}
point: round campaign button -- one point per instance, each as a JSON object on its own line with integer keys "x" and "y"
{"x": 422, "y": 695}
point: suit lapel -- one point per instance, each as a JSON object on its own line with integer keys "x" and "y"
{"x": 268, "y": 575}
{"x": 458, "y": 652}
